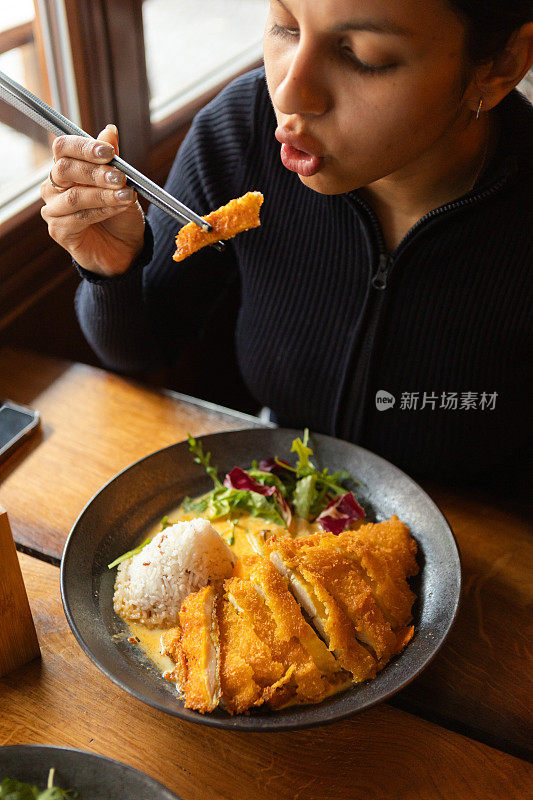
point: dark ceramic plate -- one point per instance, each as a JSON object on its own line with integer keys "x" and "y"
{"x": 93, "y": 776}
{"x": 117, "y": 517}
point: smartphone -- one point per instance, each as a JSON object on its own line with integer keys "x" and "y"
{"x": 16, "y": 424}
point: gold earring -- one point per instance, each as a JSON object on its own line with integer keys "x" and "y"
{"x": 479, "y": 107}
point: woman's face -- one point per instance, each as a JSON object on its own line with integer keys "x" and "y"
{"x": 363, "y": 88}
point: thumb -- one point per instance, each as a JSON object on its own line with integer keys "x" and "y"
{"x": 109, "y": 135}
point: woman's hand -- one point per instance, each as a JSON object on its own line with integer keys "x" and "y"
{"x": 92, "y": 213}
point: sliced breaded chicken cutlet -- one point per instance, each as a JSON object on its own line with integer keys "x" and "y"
{"x": 334, "y": 584}
{"x": 248, "y": 641}
{"x": 365, "y": 571}
{"x": 286, "y": 612}
{"x": 217, "y": 655}
{"x": 221, "y": 656}
{"x": 195, "y": 649}
{"x": 251, "y": 672}
{"x": 386, "y": 552}
{"x": 271, "y": 609}
{"x": 326, "y": 615}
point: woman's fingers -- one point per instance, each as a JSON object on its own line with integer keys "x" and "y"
{"x": 110, "y": 135}
{"x": 81, "y": 198}
{"x": 83, "y": 161}
{"x": 62, "y": 229}
{"x": 93, "y": 150}
{"x": 67, "y": 172}
{"x": 85, "y": 191}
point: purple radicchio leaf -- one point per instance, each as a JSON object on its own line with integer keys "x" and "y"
{"x": 238, "y": 478}
{"x": 274, "y": 465}
{"x": 340, "y": 513}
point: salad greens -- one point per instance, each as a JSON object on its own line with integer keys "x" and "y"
{"x": 273, "y": 490}
{"x": 11, "y": 789}
{"x": 269, "y": 487}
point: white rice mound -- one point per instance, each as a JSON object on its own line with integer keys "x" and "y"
{"x": 151, "y": 586}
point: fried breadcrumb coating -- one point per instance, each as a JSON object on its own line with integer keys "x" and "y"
{"x": 227, "y": 221}
{"x": 307, "y": 618}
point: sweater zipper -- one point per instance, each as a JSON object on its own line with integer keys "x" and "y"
{"x": 386, "y": 260}
{"x": 379, "y": 281}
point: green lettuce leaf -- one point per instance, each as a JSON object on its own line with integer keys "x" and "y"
{"x": 11, "y": 789}
{"x": 303, "y": 496}
{"x": 304, "y": 466}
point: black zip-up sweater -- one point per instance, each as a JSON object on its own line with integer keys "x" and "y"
{"x": 328, "y": 318}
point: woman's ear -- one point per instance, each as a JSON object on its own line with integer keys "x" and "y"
{"x": 495, "y": 80}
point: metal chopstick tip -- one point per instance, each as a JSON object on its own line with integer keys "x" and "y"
{"x": 218, "y": 246}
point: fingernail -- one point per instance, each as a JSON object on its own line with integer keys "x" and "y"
{"x": 124, "y": 195}
{"x": 114, "y": 176}
{"x": 104, "y": 151}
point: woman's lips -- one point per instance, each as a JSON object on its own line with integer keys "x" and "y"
{"x": 299, "y": 161}
{"x": 299, "y": 152}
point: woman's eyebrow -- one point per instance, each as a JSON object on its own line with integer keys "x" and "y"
{"x": 384, "y": 26}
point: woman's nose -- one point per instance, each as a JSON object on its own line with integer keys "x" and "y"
{"x": 302, "y": 90}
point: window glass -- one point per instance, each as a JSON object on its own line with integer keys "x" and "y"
{"x": 26, "y": 55}
{"x": 21, "y": 63}
{"x": 193, "y": 45}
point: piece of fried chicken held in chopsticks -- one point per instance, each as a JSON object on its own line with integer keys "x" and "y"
{"x": 227, "y": 221}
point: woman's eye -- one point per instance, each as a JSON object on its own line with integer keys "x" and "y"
{"x": 286, "y": 33}
{"x": 363, "y": 66}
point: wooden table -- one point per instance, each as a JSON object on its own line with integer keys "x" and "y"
{"x": 461, "y": 730}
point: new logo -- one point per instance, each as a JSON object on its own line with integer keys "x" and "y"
{"x": 384, "y": 400}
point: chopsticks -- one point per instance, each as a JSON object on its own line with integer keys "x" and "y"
{"x": 51, "y": 120}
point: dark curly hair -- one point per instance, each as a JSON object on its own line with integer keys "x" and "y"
{"x": 490, "y": 24}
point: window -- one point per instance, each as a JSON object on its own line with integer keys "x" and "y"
{"x": 28, "y": 54}
{"x": 192, "y": 46}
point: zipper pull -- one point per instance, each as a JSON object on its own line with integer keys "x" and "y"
{"x": 379, "y": 280}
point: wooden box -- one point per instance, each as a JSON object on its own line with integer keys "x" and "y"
{"x": 18, "y": 639}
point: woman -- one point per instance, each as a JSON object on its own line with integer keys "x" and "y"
{"x": 384, "y": 298}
